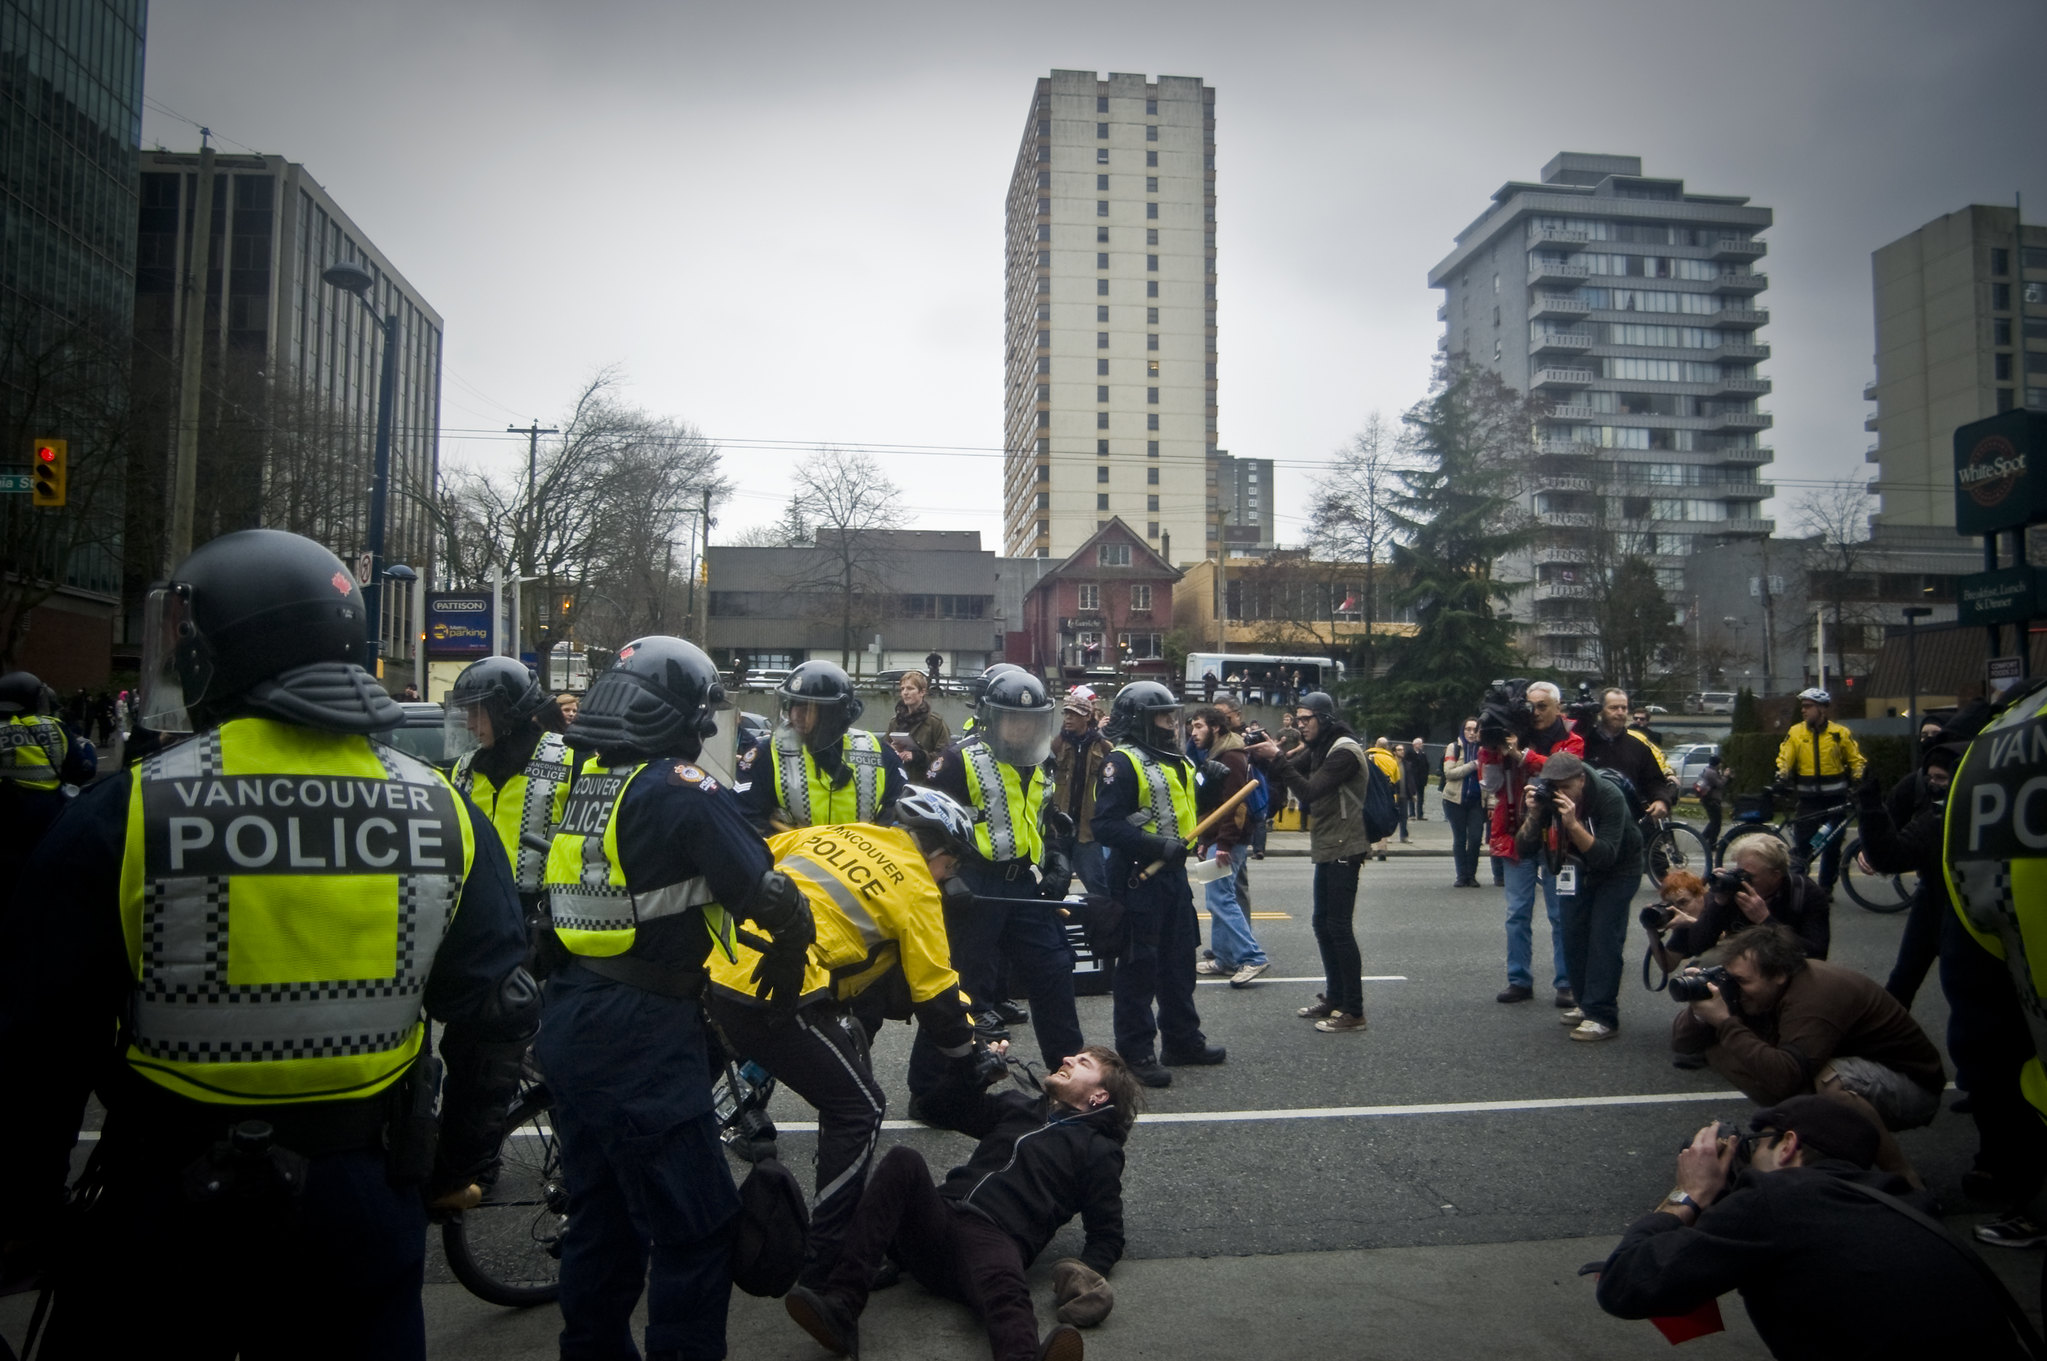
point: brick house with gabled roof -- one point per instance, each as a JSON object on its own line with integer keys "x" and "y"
{"x": 1106, "y": 608}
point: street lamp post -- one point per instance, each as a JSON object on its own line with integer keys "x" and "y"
{"x": 1913, "y": 614}
{"x": 405, "y": 576}
{"x": 351, "y": 277}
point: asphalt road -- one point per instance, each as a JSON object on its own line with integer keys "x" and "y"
{"x": 1428, "y": 1187}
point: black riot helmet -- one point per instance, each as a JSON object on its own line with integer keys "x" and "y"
{"x": 1133, "y": 718}
{"x": 826, "y": 691}
{"x": 263, "y": 622}
{"x": 502, "y": 686}
{"x": 657, "y": 699}
{"x": 1015, "y": 716}
{"x": 21, "y": 692}
{"x": 976, "y": 686}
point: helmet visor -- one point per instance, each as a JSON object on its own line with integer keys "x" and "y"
{"x": 463, "y": 726}
{"x": 168, "y": 693}
{"x": 1164, "y": 730}
{"x": 817, "y": 724}
{"x": 1018, "y": 737}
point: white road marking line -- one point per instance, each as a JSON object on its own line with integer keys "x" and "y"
{"x": 1318, "y": 978}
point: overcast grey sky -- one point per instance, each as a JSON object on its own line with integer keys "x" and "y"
{"x": 783, "y": 221}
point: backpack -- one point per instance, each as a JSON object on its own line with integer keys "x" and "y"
{"x": 1637, "y": 808}
{"x": 770, "y": 1230}
{"x": 1381, "y": 810}
{"x": 1260, "y": 801}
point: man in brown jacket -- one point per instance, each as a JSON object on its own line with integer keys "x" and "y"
{"x": 1785, "y": 1024}
{"x": 1076, "y": 761}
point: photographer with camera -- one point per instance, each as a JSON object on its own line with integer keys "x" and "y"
{"x": 1759, "y": 887}
{"x": 1682, "y": 903}
{"x": 1832, "y": 1258}
{"x": 1520, "y": 727}
{"x": 1611, "y": 744}
{"x": 1777, "y": 1025}
{"x": 1586, "y": 819}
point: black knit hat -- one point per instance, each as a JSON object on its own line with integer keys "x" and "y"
{"x": 1828, "y": 1127}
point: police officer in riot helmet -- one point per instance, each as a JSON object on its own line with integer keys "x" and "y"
{"x": 651, "y": 864}
{"x": 1145, "y": 809}
{"x": 517, "y": 772}
{"x": 39, "y": 755}
{"x": 816, "y": 769}
{"x": 1000, "y": 772}
{"x": 264, "y": 910}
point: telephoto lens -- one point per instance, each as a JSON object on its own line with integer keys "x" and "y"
{"x": 1693, "y": 986}
{"x": 1657, "y": 917}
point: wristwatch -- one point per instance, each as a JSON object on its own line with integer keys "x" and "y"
{"x": 1683, "y": 1197}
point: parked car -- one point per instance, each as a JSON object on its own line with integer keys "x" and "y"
{"x": 425, "y": 734}
{"x": 1713, "y": 702}
{"x": 1688, "y": 761}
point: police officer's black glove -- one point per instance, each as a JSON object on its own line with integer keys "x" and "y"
{"x": 1056, "y": 877}
{"x": 778, "y": 978}
{"x": 1214, "y": 772}
{"x": 1058, "y": 824}
{"x": 1102, "y": 919}
{"x": 984, "y": 1067}
{"x": 780, "y": 908}
{"x": 1170, "y": 849}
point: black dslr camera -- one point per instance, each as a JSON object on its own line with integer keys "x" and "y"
{"x": 1691, "y": 987}
{"x": 1729, "y": 879}
{"x": 1657, "y": 917}
{"x": 1542, "y": 794}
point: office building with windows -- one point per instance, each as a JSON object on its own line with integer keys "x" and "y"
{"x": 1630, "y": 309}
{"x": 1961, "y": 333}
{"x": 288, "y": 414}
{"x": 1244, "y": 491}
{"x": 1109, "y": 333}
{"x": 70, "y": 124}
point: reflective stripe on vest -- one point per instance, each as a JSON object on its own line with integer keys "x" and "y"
{"x": 32, "y": 747}
{"x": 530, "y": 801}
{"x": 1169, "y": 793}
{"x": 805, "y": 793}
{"x": 595, "y": 914}
{"x": 283, "y": 894}
{"x": 1010, "y": 826}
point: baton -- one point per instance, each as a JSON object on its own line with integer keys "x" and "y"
{"x": 1206, "y": 824}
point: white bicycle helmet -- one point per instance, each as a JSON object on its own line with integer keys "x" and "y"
{"x": 938, "y": 813}
{"x": 1816, "y": 695}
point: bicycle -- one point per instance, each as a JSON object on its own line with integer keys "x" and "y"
{"x": 1880, "y": 893}
{"x": 507, "y": 1249}
{"x": 1669, "y": 846}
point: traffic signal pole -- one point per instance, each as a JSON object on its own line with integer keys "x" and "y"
{"x": 191, "y": 365}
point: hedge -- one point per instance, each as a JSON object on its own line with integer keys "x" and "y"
{"x": 1752, "y": 756}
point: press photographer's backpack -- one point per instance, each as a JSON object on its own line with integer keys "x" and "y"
{"x": 1637, "y": 808}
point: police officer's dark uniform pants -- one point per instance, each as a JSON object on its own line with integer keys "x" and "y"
{"x": 1032, "y": 944}
{"x": 648, "y": 1183}
{"x": 1989, "y": 1042}
{"x": 1158, "y": 964}
{"x": 821, "y": 1055}
{"x": 335, "y": 1273}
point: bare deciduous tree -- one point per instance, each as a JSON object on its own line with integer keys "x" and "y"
{"x": 1835, "y": 521}
{"x": 850, "y": 506}
{"x": 1352, "y": 519}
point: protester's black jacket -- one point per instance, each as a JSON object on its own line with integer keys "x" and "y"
{"x": 1825, "y": 1271}
{"x": 1037, "y": 1166}
{"x": 1629, "y": 753}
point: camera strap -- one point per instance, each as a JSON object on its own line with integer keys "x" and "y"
{"x": 1649, "y": 958}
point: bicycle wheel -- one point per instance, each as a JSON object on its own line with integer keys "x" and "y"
{"x": 508, "y": 1249}
{"x": 1723, "y": 854}
{"x": 1878, "y": 892}
{"x": 1675, "y": 846}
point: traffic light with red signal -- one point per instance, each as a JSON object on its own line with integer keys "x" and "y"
{"x": 47, "y": 472}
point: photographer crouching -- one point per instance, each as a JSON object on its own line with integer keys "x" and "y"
{"x": 1587, "y": 818}
{"x": 1777, "y": 1025}
{"x": 1758, "y": 888}
{"x": 1832, "y": 1258}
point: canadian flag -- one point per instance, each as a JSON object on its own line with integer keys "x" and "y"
{"x": 1350, "y": 602}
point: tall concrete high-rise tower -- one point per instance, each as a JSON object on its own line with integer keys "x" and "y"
{"x": 1630, "y": 308}
{"x": 1109, "y": 327}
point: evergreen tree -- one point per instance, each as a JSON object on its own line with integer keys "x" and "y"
{"x": 1455, "y": 514}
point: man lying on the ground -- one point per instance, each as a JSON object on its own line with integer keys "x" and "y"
{"x": 1040, "y": 1161}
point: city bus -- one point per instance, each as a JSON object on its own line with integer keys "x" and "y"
{"x": 1258, "y": 674}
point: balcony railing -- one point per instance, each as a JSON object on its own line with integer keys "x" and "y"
{"x": 1869, "y": 391}
{"x": 1555, "y": 238}
{"x": 1575, "y": 342}
{"x": 1555, "y": 271}
{"x": 1558, "y": 305}
{"x": 1761, "y": 453}
{"x": 1558, "y": 590}
{"x": 1744, "y": 318}
{"x": 1745, "y": 386}
{"x": 1739, "y": 248}
{"x": 1566, "y": 628}
{"x": 1733, "y": 282}
{"x": 1743, "y": 420}
{"x": 1567, "y": 519}
{"x": 1562, "y": 378}
{"x": 1741, "y": 349}
{"x": 1558, "y": 447}
{"x": 1873, "y": 454}
{"x": 1567, "y": 413}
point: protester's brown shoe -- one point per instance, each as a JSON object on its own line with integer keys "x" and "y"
{"x": 1063, "y": 1343}
{"x": 1339, "y": 1022}
{"x": 1323, "y": 1007}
